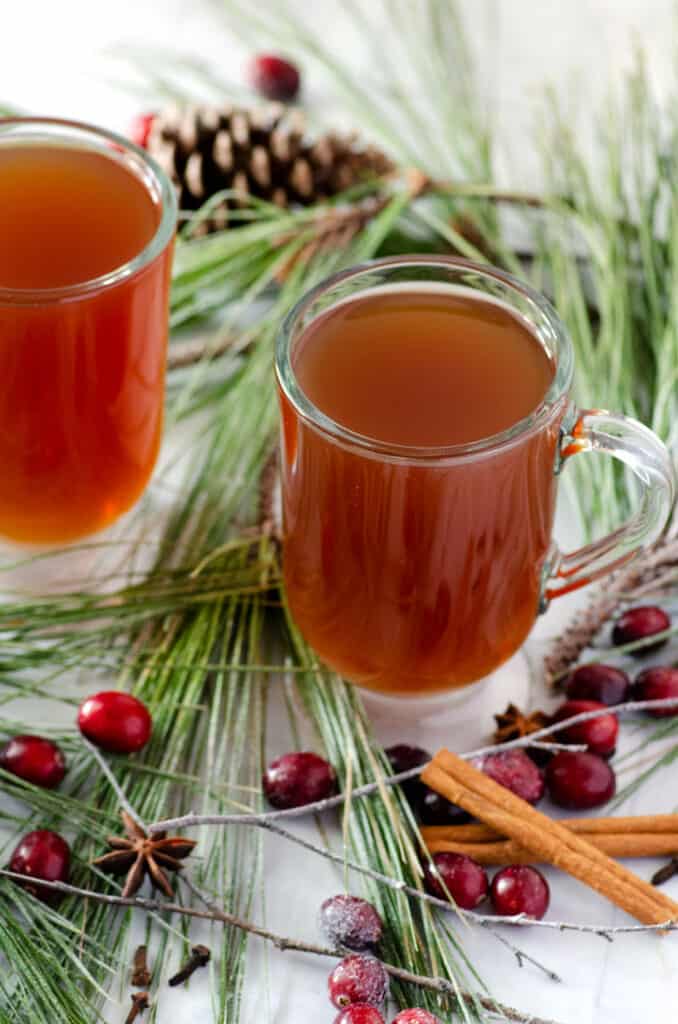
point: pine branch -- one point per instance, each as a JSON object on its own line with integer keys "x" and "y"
{"x": 198, "y": 350}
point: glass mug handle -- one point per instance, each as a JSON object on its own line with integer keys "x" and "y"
{"x": 597, "y": 430}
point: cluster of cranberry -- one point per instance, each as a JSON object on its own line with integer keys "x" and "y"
{"x": 578, "y": 780}
{"x": 574, "y": 779}
{"x": 358, "y": 985}
{"x": 115, "y": 722}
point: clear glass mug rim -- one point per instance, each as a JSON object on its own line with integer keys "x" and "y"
{"x": 552, "y": 402}
{"x": 163, "y": 234}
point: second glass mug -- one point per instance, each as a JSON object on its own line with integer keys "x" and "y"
{"x": 414, "y": 570}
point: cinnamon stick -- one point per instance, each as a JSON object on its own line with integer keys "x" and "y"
{"x": 547, "y": 840}
{"x": 508, "y": 851}
{"x": 646, "y": 823}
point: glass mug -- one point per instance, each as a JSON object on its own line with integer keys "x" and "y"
{"x": 414, "y": 570}
{"x": 82, "y": 364}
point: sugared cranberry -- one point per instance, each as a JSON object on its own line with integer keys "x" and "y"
{"x": 296, "y": 779}
{"x": 518, "y": 772}
{"x": 274, "y": 78}
{"x": 520, "y": 889}
{"x": 579, "y": 780}
{"x": 402, "y": 757}
{"x": 603, "y": 683}
{"x": 659, "y": 683}
{"x": 598, "y": 734}
{"x": 359, "y": 1013}
{"x": 358, "y": 979}
{"x": 115, "y": 721}
{"x": 351, "y": 922}
{"x": 415, "y": 1017}
{"x": 639, "y": 623}
{"x": 464, "y": 879}
{"x": 42, "y": 855}
{"x": 34, "y": 759}
{"x": 140, "y": 128}
{"x": 434, "y": 809}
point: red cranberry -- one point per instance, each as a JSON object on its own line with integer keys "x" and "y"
{"x": 296, "y": 779}
{"x": 434, "y": 809}
{"x": 44, "y": 855}
{"x": 359, "y": 1013}
{"x": 34, "y": 759}
{"x": 518, "y": 772}
{"x": 603, "y": 683}
{"x": 520, "y": 889}
{"x": 351, "y": 922}
{"x": 274, "y": 78}
{"x": 115, "y": 721}
{"x": 358, "y": 979}
{"x": 140, "y": 128}
{"x": 464, "y": 879}
{"x": 657, "y": 683}
{"x": 639, "y": 623}
{"x": 415, "y": 1017}
{"x": 402, "y": 757}
{"x": 598, "y": 734}
{"x": 579, "y": 780}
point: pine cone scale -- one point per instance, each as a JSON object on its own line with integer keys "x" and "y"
{"x": 264, "y": 153}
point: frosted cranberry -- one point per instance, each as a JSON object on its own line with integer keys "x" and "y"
{"x": 659, "y": 683}
{"x": 518, "y": 772}
{"x": 415, "y": 1017}
{"x": 140, "y": 128}
{"x": 463, "y": 878}
{"x": 402, "y": 757}
{"x": 34, "y": 759}
{"x": 42, "y": 855}
{"x": 358, "y": 979}
{"x": 638, "y": 624}
{"x": 274, "y": 78}
{"x": 603, "y": 683}
{"x": 351, "y": 922}
{"x": 598, "y": 734}
{"x": 296, "y": 779}
{"x": 115, "y": 721}
{"x": 520, "y": 889}
{"x": 359, "y": 1013}
{"x": 579, "y": 780}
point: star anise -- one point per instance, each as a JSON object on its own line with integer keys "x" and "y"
{"x": 513, "y": 724}
{"x": 139, "y": 854}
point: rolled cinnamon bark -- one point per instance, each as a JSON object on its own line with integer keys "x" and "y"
{"x": 546, "y": 839}
{"x": 645, "y": 823}
{"x": 508, "y": 851}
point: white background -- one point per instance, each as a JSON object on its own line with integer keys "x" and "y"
{"x": 55, "y": 58}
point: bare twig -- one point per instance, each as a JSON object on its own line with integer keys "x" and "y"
{"x": 281, "y": 942}
{"x": 119, "y": 791}
{"x": 190, "y": 820}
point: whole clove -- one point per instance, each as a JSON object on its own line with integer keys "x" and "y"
{"x": 141, "y": 976}
{"x": 200, "y": 957}
{"x": 140, "y": 1002}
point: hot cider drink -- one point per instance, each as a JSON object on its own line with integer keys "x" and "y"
{"x": 84, "y": 278}
{"x": 421, "y": 425}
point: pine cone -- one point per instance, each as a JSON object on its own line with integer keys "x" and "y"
{"x": 263, "y": 152}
